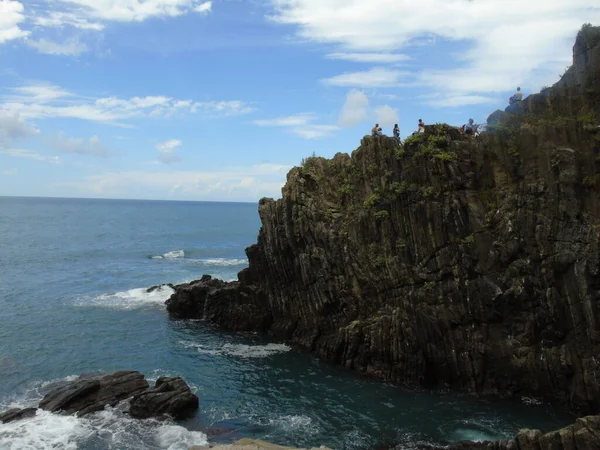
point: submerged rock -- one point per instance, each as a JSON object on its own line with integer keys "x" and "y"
{"x": 90, "y": 393}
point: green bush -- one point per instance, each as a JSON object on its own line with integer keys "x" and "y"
{"x": 372, "y": 201}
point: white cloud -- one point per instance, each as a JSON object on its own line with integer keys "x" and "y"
{"x": 355, "y": 109}
{"x": 289, "y": 121}
{"x": 9, "y": 172}
{"x": 30, "y": 155}
{"x": 300, "y": 125}
{"x": 71, "y": 47}
{"x": 376, "y": 58}
{"x": 503, "y": 42}
{"x": 167, "y": 150}
{"x": 11, "y": 15}
{"x": 386, "y": 116}
{"x": 60, "y": 19}
{"x": 126, "y": 10}
{"x": 47, "y": 101}
{"x": 13, "y": 127}
{"x": 78, "y": 146}
{"x": 375, "y": 77}
{"x": 248, "y": 183}
{"x": 205, "y": 7}
{"x": 448, "y": 101}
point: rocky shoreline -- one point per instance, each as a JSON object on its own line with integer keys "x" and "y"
{"x": 450, "y": 262}
{"x": 170, "y": 397}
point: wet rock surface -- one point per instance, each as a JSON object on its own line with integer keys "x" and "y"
{"x": 584, "y": 434}
{"x": 170, "y": 397}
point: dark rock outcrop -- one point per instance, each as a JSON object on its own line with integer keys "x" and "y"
{"x": 170, "y": 397}
{"x": 90, "y": 393}
{"x": 159, "y": 287}
{"x": 449, "y": 262}
{"x": 16, "y": 414}
{"x": 584, "y": 434}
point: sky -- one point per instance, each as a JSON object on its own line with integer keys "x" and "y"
{"x": 217, "y": 100}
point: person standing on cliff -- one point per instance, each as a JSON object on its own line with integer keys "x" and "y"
{"x": 397, "y": 133}
{"x": 375, "y": 130}
{"x": 421, "y": 126}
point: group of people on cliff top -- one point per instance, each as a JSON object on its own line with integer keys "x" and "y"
{"x": 376, "y": 130}
{"x": 470, "y": 128}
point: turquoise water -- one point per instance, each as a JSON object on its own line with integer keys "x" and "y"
{"x": 73, "y": 275}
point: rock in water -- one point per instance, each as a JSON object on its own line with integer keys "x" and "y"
{"x": 17, "y": 414}
{"x": 170, "y": 397}
{"x": 88, "y": 395}
{"x": 582, "y": 435}
{"x": 448, "y": 262}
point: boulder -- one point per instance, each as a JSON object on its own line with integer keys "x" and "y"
{"x": 17, "y": 414}
{"x": 170, "y": 397}
{"x": 88, "y": 395}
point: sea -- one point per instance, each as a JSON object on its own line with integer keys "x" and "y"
{"x": 73, "y": 300}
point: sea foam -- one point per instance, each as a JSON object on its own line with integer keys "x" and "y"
{"x": 239, "y": 350}
{"x": 131, "y": 299}
{"x": 171, "y": 255}
{"x": 106, "y": 429}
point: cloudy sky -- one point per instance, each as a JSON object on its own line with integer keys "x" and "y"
{"x": 216, "y": 100}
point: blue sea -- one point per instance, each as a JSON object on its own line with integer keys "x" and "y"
{"x": 73, "y": 280}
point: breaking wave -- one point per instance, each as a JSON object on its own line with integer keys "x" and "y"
{"x": 131, "y": 299}
{"x": 170, "y": 255}
{"x": 107, "y": 429}
{"x": 239, "y": 350}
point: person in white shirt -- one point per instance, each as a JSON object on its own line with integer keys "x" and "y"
{"x": 517, "y": 97}
{"x": 375, "y": 130}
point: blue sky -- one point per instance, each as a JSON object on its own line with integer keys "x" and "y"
{"x": 217, "y": 100}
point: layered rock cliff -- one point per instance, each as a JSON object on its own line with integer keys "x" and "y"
{"x": 448, "y": 262}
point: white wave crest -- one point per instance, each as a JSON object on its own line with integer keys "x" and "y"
{"x": 531, "y": 401}
{"x": 110, "y": 428}
{"x": 44, "y": 431}
{"x": 239, "y": 350}
{"x": 171, "y": 255}
{"x": 295, "y": 423}
{"x": 131, "y": 299}
{"x": 221, "y": 262}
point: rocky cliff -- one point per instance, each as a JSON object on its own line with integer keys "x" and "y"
{"x": 447, "y": 262}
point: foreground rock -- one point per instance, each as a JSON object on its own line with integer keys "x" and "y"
{"x": 582, "y": 435}
{"x": 88, "y": 395}
{"x": 451, "y": 262}
{"x": 251, "y": 444}
{"x": 16, "y": 414}
{"x": 170, "y": 397}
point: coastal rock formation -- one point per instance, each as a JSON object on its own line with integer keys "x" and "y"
{"x": 449, "y": 262}
{"x": 251, "y": 444}
{"x": 170, "y": 397}
{"x": 87, "y": 395}
{"x": 16, "y": 414}
{"x": 584, "y": 434}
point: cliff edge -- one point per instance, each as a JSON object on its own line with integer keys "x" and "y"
{"x": 448, "y": 262}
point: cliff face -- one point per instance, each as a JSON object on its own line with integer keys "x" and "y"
{"x": 449, "y": 262}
